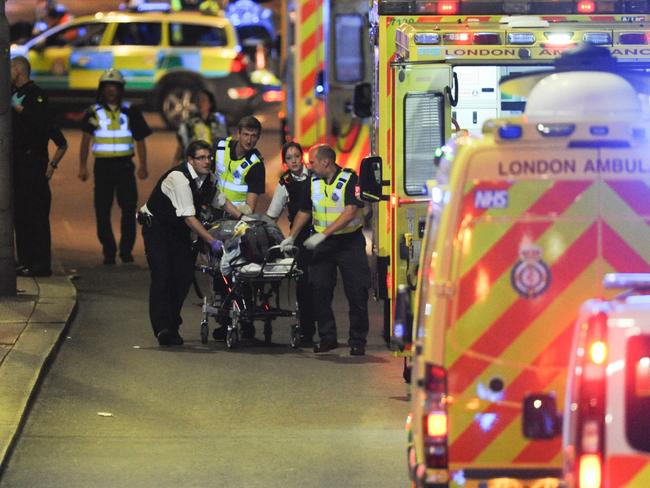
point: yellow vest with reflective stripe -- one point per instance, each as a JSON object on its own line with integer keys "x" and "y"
{"x": 232, "y": 172}
{"x": 112, "y": 137}
{"x": 328, "y": 203}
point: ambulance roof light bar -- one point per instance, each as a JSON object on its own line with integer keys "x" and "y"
{"x": 626, "y": 280}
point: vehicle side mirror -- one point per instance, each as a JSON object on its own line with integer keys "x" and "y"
{"x": 320, "y": 88}
{"x": 362, "y": 100}
{"x": 540, "y": 418}
{"x": 370, "y": 179}
{"x": 403, "y": 323}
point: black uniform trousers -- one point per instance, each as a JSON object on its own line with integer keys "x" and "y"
{"x": 347, "y": 252}
{"x": 115, "y": 177}
{"x": 303, "y": 288}
{"x": 32, "y": 202}
{"x": 172, "y": 269}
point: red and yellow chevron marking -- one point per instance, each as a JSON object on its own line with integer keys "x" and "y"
{"x": 628, "y": 471}
{"x": 309, "y": 111}
{"x": 496, "y": 333}
{"x": 352, "y": 148}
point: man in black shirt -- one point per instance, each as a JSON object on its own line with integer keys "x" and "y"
{"x": 115, "y": 128}
{"x": 32, "y": 128}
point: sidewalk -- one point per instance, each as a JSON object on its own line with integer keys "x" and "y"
{"x": 31, "y": 324}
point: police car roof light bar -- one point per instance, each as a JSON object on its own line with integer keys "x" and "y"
{"x": 626, "y": 280}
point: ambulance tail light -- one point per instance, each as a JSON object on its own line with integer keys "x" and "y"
{"x": 521, "y": 38}
{"x": 461, "y": 38}
{"x": 435, "y": 419}
{"x": 241, "y": 92}
{"x": 447, "y": 8}
{"x": 633, "y": 38}
{"x": 590, "y": 471}
{"x": 239, "y": 64}
{"x": 487, "y": 38}
{"x": 598, "y": 38}
{"x": 586, "y": 7}
{"x": 590, "y": 401}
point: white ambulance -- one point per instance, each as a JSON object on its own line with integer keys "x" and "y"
{"x": 606, "y": 421}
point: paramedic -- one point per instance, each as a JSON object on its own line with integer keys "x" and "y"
{"x": 114, "y": 127}
{"x": 32, "y": 128}
{"x": 338, "y": 242}
{"x": 207, "y": 124}
{"x": 240, "y": 167}
{"x": 293, "y": 185}
{"x": 167, "y": 219}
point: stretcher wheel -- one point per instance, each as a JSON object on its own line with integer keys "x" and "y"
{"x": 232, "y": 338}
{"x": 268, "y": 331}
{"x": 205, "y": 331}
{"x": 294, "y": 338}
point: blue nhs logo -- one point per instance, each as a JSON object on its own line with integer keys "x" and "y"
{"x": 491, "y": 199}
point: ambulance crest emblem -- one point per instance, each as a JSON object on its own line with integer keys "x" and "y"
{"x": 530, "y": 276}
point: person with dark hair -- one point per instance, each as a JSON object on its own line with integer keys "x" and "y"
{"x": 240, "y": 166}
{"x": 32, "y": 128}
{"x": 338, "y": 242}
{"x": 206, "y": 124}
{"x": 168, "y": 218}
{"x": 291, "y": 189}
{"x": 115, "y": 128}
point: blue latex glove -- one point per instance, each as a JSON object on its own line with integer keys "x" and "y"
{"x": 17, "y": 101}
{"x": 216, "y": 246}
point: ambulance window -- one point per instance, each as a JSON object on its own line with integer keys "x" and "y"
{"x": 79, "y": 35}
{"x": 637, "y": 392}
{"x": 348, "y": 48}
{"x": 137, "y": 34}
{"x": 423, "y": 134}
{"x": 182, "y": 35}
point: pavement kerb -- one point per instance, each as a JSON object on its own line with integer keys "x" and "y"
{"x": 45, "y": 323}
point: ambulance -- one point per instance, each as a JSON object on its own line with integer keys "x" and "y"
{"x": 325, "y": 53}
{"x": 523, "y": 223}
{"x": 606, "y": 432}
{"x": 438, "y": 65}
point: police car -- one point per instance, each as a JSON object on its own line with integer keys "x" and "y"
{"x": 166, "y": 58}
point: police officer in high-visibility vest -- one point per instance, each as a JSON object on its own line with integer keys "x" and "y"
{"x": 338, "y": 242}
{"x": 115, "y": 128}
{"x": 207, "y": 124}
{"x": 240, "y": 167}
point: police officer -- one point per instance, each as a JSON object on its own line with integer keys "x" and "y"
{"x": 115, "y": 128}
{"x": 206, "y": 125}
{"x": 293, "y": 185}
{"x": 240, "y": 167}
{"x": 338, "y": 242}
{"x": 32, "y": 127}
{"x": 168, "y": 217}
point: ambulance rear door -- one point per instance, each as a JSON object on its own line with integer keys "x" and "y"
{"x": 421, "y": 116}
{"x": 525, "y": 255}
{"x": 349, "y": 62}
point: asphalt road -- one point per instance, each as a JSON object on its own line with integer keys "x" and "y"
{"x": 115, "y": 410}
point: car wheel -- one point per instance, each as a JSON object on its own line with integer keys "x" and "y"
{"x": 177, "y": 102}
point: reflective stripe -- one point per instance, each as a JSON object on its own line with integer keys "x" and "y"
{"x": 328, "y": 203}
{"x": 232, "y": 172}
{"x": 112, "y": 137}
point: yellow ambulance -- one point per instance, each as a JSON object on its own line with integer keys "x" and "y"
{"x": 522, "y": 224}
{"x": 437, "y": 71}
{"x": 325, "y": 53}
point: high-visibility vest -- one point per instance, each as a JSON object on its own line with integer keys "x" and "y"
{"x": 197, "y": 129}
{"x": 328, "y": 203}
{"x": 112, "y": 137}
{"x": 232, "y": 172}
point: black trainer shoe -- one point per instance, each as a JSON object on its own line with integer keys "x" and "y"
{"x": 324, "y": 346}
{"x": 219, "y": 334}
{"x": 357, "y": 350}
{"x": 177, "y": 340}
{"x": 166, "y": 337}
{"x": 126, "y": 258}
{"x": 109, "y": 260}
